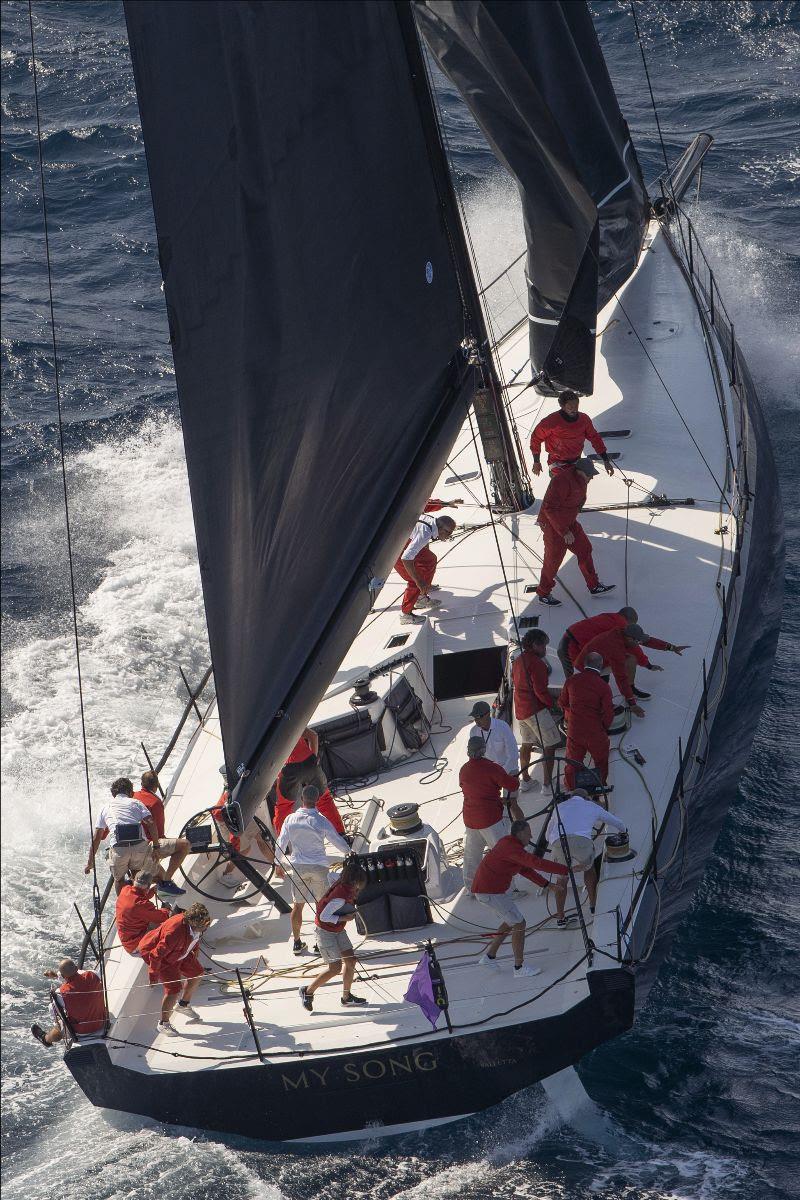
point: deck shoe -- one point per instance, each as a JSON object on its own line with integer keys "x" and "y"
{"x": 567, "y": 923}
{"x": 428, "y": 602}
{"x": 191, "y": 1013}
{"x": 641, "y": 695}
{"x": 411, "y": 619}
{"x": 486, "y": 961}
{"x": 39, "y": 1034}
{"x": 165, "y": 1028}
{"x": 526, "y": 972}
{"x": 306, "y": 1000}
{"x": 168, "y": 888}
{"x": 300, "y": 947}
{"x": 600, "y": 588}
{"x": 530, "y": 785}
{"x": 550, "y": 600}
{"x": 351, "y": 999}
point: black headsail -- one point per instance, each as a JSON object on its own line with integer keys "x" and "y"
{"x": 315, "y": 316}
{"x": 534, "y": 78}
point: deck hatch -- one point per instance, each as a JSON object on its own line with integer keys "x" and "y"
{"x": 468, "y": 673}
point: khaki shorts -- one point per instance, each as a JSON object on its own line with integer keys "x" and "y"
{"x": 539, "y": 730}
{"x": 167, "y": 847}
{"x": 581, "y": 851}
{"x": 502, "y": 905}
{"x": 138, "y": 857}
{"x": 307, "y": 880}
{"x": 333, "y": 945}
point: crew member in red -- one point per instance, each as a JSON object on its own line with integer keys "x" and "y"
{"x": 171, "y": 957}
{"x": 79, "y": 999}
{"x": 492, "y": 882}
{"x": 564, "y": 434}
{"x": 417, "y": 562}
{"x": 561, "y": 531}
{"x": 334, "y": 910}
{"x": 582, "y": 632}
{"x": 175, "y": 849}
{"x": 533, "y": 700}
{"x": 620, "y": 650}
{"x": 136, "y": 912}
{"x": 249, "y": 843}
{"x": 485, "y": 820}
{"x": 589, "y": 709}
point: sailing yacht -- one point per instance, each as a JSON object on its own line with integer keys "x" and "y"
{"x": 339, "y": 362}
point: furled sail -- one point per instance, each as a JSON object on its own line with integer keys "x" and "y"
{"x": 534, "y": 78}
{"x": 315, "y": 317}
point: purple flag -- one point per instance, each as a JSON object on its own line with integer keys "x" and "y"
{"x": 420, "y": 991}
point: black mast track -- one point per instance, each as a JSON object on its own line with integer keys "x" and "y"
{"x": 508, "y": 478}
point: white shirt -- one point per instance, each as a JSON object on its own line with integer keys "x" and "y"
{"x": 306, "y": 831}
{"x": 579, "y": 817}
{"x": 426, "y": 530}
{"x": 122, "y": 810}
{"x": 501, "y": 745}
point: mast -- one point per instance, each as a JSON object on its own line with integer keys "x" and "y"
{"x": 510, "y": 483}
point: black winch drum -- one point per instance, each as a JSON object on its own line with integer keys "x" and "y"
{"x": 404, "y": 818}
{"x": 618, "y": 848}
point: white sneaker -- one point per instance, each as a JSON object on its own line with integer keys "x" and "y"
{"x": 428, "y": 602}
{"x": 526, "y": 972}
{"x": 411, "y": 619}
{"x": 167, "y": 1029}
{"x": 190, "y": 1013}
{"x": 485, "y": 961}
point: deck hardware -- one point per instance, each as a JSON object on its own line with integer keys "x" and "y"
{"x": 723, "y": 529}
{"x": 248, "y": 1014}
{"x": 528, "y": 622}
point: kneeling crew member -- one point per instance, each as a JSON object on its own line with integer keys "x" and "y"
{"x": 175, "y": 849}
{"x": 532, "y": 703}
{"x": 579, "y": 817}
{"x": 302, "y": 840}
{"x": 171, "y": 957}
{"x": 561, "y": 530}
{"x": 136, "y": 913}
{"x": 417, "y": 565}
{"x": 334, "y": 910}
{"x": 80, "y": 999}
{"x": 485, "y": 819}
{"x": 492, "y": 882}
{"x": 589, "y": 708}
{"x": 564, "y": 434}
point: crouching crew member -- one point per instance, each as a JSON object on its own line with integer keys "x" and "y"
{"x": 79, "y": 999}
{"x": 417, "y": 565}
{"x": 492, "y": 882}
{"x": 582, "y": 632}
{"x": 334, "y": 910}
{"x": 126, "y": 822}
{"x": 561, "y": 530}
{"x": 175, "y": 849}
{"x": 532, "y": 703}
{"x": 302, "y": 840}
{"x": 589, "y": 708}
{"x": 171, "y": 957}
{"x": 564, "y": 434}
{"x": 485, "y": 818}
{"x": 620, "y": 650}
{"x": 136, "y": 913}
{"x": 579, "y": 816}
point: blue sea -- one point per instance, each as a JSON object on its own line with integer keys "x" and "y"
{"x": 700, "y": 1100}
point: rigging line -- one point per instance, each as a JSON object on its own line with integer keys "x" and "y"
{"x": 57, "y": 381}
{"x": 649, "y": 85}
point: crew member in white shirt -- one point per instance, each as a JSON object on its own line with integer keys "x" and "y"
{"x": 302, "y": 840}
{"x": 417, "y": 562}
{"x": 501, "y": 745}
{"x": 127, "y": 821}
{"x": 579, "y": 817}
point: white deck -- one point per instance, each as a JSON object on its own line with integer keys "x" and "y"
{"x": 676, "y": 561}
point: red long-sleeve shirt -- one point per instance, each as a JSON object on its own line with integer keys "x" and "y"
{"x": 435, "y": 505}
{"x": 482, "y": 781}
{"x": 135, "y": 914}
{"x": 563, "y": 500}
{"x": 156, "y": 805}
{"x": 507, "y": 859}
{"x": 81, "y": 997}
{"x": 564, "y": 440}
{"x": 529, "y": 676}
{"x": 583, "y": 632}
{"x": 166, "y": 949}
{"x": 586, "y": 698}
{"x": 611, "y": 645}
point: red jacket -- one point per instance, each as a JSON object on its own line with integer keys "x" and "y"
{"x": 586, "y": 698}
{"x": 301, "y": 752}
{"x": 166, "y": 948}
{"x": 339, "y": 891}
{"x": 434, "y": 505}
{"x": 583, "y": 632}
{"x": 135, "y": 914}
{"x": 155, "y": 804}
{"x": 564, "y": 440}
{"x": 563, "y": 500}
{"x": 611, "y": 645}
{"x": 82, "y": 998}
{"x": 481, "y": 781}
{"x": 507, "y": 859}
{"x": 529, "y": 675}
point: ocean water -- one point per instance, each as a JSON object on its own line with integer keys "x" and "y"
{"x": 700, "y": 1100}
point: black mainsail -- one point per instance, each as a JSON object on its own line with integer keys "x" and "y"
{"x": 534, "y": 78}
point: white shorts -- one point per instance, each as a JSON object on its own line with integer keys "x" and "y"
{"x": 502, "y": 905}
{"x": 539, "y": 730}
{"x": 137, "y": 857}
{"x": 581, "y": 852}
{"x": 307, "y": 880}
